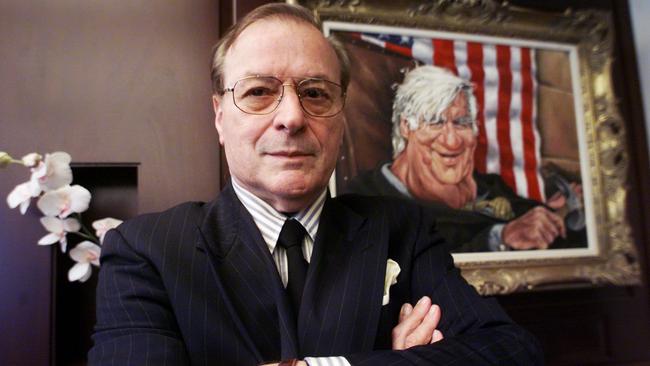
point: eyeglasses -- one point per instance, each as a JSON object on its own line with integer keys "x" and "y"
{"x": 263, "y": 94}
{"x": 462, "y": 123}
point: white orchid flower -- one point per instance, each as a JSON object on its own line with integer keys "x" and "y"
{"x": 22, "y": 195}
{"x": 64, "y": 201}
{"x": 103, "y": 225}
{"x": 31, "y": 160}
{"x": 58, "y": 229}
{"x": 85, "y": 254}
{"x": 54, "y": 171}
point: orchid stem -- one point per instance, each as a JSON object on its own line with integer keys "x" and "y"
{"x": 85, "y": 232}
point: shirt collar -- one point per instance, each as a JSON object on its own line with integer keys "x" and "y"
{"x": 394, "y": 181}
{"x": 269, "y": 221}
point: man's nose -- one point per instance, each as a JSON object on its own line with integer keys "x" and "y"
{"x": 449, "y": 136}
{"x": 289, "y": 116}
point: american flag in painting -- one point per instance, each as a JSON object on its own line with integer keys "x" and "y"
{"x": 505, "y": 86}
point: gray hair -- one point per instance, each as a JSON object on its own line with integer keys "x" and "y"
{"x": 426, "y": 92}
{"x": 273, "y": 11}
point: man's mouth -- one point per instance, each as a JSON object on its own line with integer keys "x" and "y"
{"x": 288, "y": 154}
{"x": 289, "y": 157}
{"x": 448, "y": 158}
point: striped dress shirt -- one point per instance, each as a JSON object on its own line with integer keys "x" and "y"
{"x": 269, "y": 222}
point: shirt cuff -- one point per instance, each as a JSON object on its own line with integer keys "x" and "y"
{"x": 327, "y": 361}
{"x": 495, "y": 239}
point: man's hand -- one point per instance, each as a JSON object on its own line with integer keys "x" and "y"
{"x": 536, "y": 229}
{"x": 299, "y": 363}
{"x": 417, "y": 326}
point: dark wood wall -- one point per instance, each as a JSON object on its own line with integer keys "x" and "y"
{"x": 124, "y": 85}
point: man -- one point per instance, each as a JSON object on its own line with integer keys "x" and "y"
{"x": 225, "y": 283}
{"x": 434, "y": 138}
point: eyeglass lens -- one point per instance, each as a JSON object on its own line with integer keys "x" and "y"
{"x": 461, "y": 123}
{"x": 261, "y": 95}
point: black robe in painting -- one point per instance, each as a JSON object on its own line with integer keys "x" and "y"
{"x": 464, "y": 230}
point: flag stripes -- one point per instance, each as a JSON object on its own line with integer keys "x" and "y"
{"x": 530, "y": 136}
{"x": 503, "y": 116}
{"x": 475, "y": 65}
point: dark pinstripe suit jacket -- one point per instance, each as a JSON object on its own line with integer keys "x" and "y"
{"x": 197, "y": 285}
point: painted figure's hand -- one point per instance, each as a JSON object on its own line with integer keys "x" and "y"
{"x": 417, "y": 326}
{"x": 558, "y": 200}
{"x": 536, "y": 229}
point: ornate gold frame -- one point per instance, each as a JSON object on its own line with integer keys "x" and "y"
{"x": 592, "y": 33}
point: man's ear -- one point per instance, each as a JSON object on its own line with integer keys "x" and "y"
{"x": 218, "y": 116}
{"x": 404, "y": 129}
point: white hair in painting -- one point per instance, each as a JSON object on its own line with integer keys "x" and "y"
{"x": 426, "y": 92}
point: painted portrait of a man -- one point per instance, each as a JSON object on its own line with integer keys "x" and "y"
{"x": 435, "y": 158}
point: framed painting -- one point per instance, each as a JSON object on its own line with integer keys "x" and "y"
{"x": 543, "y": 152}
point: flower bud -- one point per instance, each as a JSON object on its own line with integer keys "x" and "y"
{"x": 5, "y": 159}
{"x": 31, "y": 160}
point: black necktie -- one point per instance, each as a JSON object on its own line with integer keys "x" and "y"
{"x": 290, "y": 239}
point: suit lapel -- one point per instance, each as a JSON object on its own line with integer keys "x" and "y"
{"x": 248, "y": 280}
{"x": 342, "y": 296}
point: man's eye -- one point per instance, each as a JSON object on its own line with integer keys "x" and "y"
{"x": 315, "y": 93}
{"x": 257, "y": 92}
{"x": 463, "y": 122}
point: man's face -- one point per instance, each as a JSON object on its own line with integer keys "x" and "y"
{"x": 285, "y": 157}
{"x": 446, "y": 153}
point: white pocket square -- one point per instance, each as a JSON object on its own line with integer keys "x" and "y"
{"x": 392, "y": 271}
